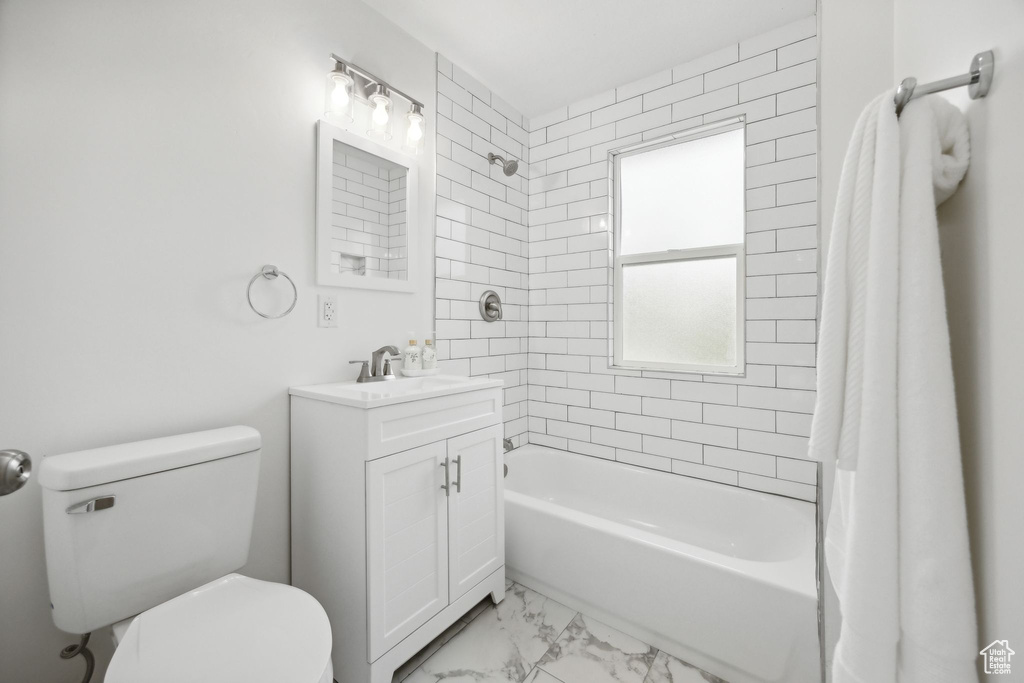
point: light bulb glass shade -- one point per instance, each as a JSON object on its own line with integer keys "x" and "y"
{"x": 415, "y": 127}
{"x": 414, "y": 133}
{"x": 339, "y": 96}
{"x": 380, "y": 113}
{"x": 380, "y": 119}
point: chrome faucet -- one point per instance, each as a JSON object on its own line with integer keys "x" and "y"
{"x": 386, "y": 372}
{"x": 372, "y": 370}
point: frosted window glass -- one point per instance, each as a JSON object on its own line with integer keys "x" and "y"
{"x": 683, "y": 196}
{"x": 680, "y": 312}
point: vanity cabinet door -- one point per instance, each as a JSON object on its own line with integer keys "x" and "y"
{"x": 407, "y": 543}
{"x": 476, "y": 509}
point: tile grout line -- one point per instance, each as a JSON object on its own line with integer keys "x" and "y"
{"x": 647, "y": 675}
{"x": 465, "y": 625}
{"x": 536, "y": 664}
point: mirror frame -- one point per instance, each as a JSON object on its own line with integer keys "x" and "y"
{"x": 327, "y": 135}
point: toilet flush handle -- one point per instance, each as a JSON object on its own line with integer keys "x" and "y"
{"x": 94, "y": 505}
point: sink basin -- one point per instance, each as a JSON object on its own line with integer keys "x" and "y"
{"x": 402, "y": 390}
{"x": 408, "y": 385}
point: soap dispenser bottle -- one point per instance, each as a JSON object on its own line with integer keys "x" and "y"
{"x": 429, "y": 354}
{"x": 411, "y": 356}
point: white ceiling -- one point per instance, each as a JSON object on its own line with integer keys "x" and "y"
{"x": 538, "y": 55}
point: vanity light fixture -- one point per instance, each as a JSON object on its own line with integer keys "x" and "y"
{"x": 414, "y": 134}
{"x": 355, "y": 96}
{"x": 340, "y": 96}
{"x": 380, "y": 118}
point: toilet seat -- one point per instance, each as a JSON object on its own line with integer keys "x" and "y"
{"x": 232, "y": 630}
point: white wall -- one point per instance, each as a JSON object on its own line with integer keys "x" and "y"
{"x": 855, "y": 65}
{"x": 866, "y": 48}
{"x": 982, "y": 238}
{"x": 152, "y": 157}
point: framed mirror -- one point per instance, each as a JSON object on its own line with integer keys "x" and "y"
{"x": 365, "y": 213}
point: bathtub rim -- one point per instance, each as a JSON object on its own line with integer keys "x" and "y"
{"x": 773, "y": 495}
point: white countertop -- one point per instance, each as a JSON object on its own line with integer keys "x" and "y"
{"x": 401, "y": 390}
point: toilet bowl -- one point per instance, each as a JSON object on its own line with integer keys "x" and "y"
{"x": 147, "y": 536}
{"x": 233, "y": 629}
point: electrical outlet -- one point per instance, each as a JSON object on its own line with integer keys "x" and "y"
{"x": 327, "y": 309}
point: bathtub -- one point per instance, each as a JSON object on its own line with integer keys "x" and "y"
{"x": 718, "y": 576}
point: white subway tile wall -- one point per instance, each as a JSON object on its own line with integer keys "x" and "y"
{"x": 749, "y": 431}
{"x": 481, "y": 241}
{"x": 746, "y": 431}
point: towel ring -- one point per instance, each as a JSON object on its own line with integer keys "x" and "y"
{"x": 271, "y": 272}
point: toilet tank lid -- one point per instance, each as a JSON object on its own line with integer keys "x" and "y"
{"x": 70, "y": 471}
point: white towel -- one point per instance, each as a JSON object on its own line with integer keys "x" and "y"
{"x": 896, "y": 543}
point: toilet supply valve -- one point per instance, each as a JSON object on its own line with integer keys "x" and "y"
{"x": 80, "y": 648}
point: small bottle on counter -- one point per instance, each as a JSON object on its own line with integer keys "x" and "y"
{"x": 429, "y": 357}
{"x": 411, "y": 357}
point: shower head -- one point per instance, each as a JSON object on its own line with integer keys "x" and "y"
{"x": 509, "y": 167}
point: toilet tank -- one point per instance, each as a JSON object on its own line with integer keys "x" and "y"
{"x": 131, "y": 526}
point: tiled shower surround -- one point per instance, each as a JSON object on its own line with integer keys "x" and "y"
{"x": 482, "y": 241}
{"x": 747, "y": 431}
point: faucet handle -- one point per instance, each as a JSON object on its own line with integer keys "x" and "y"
{"x": 364, "y": 372}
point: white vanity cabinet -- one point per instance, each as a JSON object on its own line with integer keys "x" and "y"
{"x": 397, "y": 512}
{"x": 476, "y": 510}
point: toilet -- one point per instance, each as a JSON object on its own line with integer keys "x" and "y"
{"x": 145, "y": 538}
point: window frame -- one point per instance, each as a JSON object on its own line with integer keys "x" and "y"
{"x": 738, "y": 251}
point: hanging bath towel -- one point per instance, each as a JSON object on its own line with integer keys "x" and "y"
{"x": 896, "y": 543}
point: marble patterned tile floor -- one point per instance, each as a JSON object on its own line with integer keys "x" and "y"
{"x": 530, "y": 638}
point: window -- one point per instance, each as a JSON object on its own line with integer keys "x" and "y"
{"x": 679, "y": 207}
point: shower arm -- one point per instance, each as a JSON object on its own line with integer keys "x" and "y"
{"x": 509, "y": 168}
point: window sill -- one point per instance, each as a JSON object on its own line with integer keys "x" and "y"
{"x": 713, "y": 370}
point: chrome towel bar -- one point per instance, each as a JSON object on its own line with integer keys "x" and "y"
{"x": 978, "y": 81}
{"x": 271, "y": 272}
